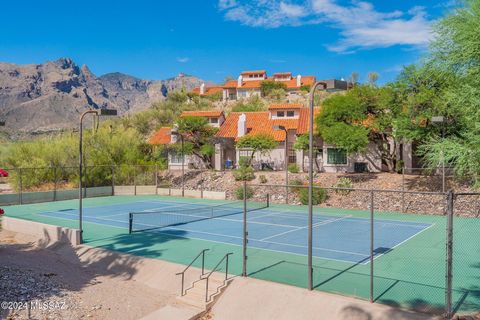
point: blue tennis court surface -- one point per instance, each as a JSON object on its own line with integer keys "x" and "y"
{"x": 336, "y": 237}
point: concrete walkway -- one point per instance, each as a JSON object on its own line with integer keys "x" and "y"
{"x": 254, "y": 299}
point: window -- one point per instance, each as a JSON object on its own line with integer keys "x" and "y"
{"x": 336, "y": 156}
{"x": 280, "y": 114}
{"x": 242, "y": 94}
{"x": 175, "y": 157}
{"x": 213, "y": 120}
{"x": 290, "y": 113}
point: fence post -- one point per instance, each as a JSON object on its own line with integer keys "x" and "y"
{"x": 54, "y": 183}
{"x": 201, "y": 183}
{"x": 156, "y": 179}
{"x": 134, "y": 180}
{"x": 403, "y": 189}
{"x": 20, "y": 196}
{"x": 449, "y": 257}
{"x": 113, "y": 180}
{"x": 372, "y": 248}
{"x": 245, "y": 232}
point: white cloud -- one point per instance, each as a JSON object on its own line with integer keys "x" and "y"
{"x": 183, "y": 59}
{"x": 361, "y": 25}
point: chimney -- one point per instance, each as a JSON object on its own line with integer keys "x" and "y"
{"x": 299, "y": 81}
{"x": 240, "y": 81}
{"x": 202, "y": 89}
{"x": 242, "y": 125}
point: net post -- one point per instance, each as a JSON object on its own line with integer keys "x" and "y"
{"x": 130, "y": 222}
{"x": 244, "y": 254}
{"x": 201, "y": 184}
{"x": 449, "y": 256}
{"x": 372, "y": 221}
{"x": 268, "y": 200}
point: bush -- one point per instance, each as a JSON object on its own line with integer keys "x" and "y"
{"x": 296, "y": 182}
{"x": 319, "y": 196}
{"x": 343, "y": 183}
{"x": 244, "y": 174}
{"x": 239, "y": 192}
{"x": 263, "y": 179}
{"x": 293, "y": 168}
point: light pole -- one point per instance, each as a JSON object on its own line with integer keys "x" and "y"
{"x": 178, "y": 134}
{"x": 286, "y": 158}
{"x": 310, "y": 180}
{"x": 441, "y": 120}
{"x": 98, "y": 112}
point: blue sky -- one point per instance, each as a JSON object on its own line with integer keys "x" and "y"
{"x": 212, "y": 39}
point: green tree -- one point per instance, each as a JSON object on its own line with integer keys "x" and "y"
{"x": 260, "y": 143}
{"x": 302, "y": 144}
{"x": 362, "y": 115}
{"x": 268, "y": 86}
{"x": 198, "y": 136}
{"x": 447, "y": 84}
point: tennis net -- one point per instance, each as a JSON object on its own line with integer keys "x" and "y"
{"x": 170, "y": 217}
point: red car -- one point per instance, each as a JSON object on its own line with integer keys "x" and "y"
{"x": 1, "y": 211}
{"x": 3, "y": 173}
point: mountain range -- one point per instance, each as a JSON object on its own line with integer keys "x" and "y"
{"x": 39, "y": 98}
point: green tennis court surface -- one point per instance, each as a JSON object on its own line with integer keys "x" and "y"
{"x": 409, "y": 265}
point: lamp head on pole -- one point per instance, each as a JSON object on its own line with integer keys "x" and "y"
{"x": 106, "y": 112}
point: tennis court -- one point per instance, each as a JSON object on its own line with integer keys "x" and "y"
{"x": 343, "y": 238}
{"x": 409, "y": 265}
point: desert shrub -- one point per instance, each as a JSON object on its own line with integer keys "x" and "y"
{"x": 343, "y": 182}
{"x": 263, "y": 179}
{"x": 239, "y": 192}
{"x": 296, "y": 182}
{"x": 293, "y": 168}
{"x": 319, "y": 196}
{"x": 244, "y": 174}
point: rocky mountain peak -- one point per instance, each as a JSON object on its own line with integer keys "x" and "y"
{"x": 50, "y": 96}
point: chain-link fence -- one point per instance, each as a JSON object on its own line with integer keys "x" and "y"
{"x": 408, "y": 248}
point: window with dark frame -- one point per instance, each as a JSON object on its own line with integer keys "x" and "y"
{"x": 280, "y": 114}
{"x": 336, "y": 156}
{"x": 290, "y": 113}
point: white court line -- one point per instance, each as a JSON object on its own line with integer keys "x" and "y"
{"x": 400, "y": 243}
{"x": 267, "y": 242}
{"x": 300, "y": 228}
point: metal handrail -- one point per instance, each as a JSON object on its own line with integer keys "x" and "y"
{"x": 213, "y": 270}
{"x": 191, "y": 263}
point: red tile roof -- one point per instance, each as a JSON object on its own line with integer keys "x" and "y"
{"x": 207, "y": 114}
{"x": 208, "y": 90}
{"x": 253, "y": 72}
{"x": 162, "y": 136}
{"x": 256, "y": 84}
{"x": 303, "y": 121}
{"x": 257, "y": 122}
{"x": 285, "y": 106}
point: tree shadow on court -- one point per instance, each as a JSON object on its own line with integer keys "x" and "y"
{"x": 47, "y": 263}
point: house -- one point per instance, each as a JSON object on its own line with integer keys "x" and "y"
{"x": 295, "y": 119}
{"x": 165, "y": 137}
{"x": 249, "y": 84}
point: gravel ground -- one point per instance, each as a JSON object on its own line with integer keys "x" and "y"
{"x": 38, "y": 283}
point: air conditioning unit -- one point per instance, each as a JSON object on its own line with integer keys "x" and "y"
{"x": 360, "y": 167}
